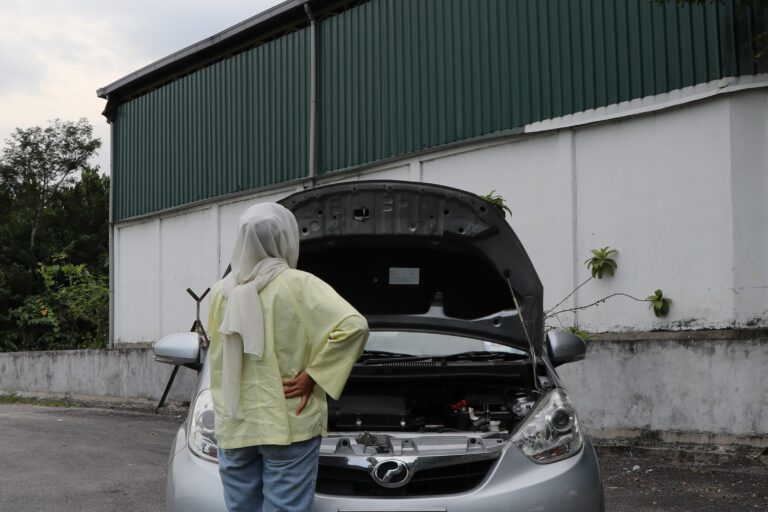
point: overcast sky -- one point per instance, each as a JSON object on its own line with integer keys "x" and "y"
{"x": 54, "y": 54}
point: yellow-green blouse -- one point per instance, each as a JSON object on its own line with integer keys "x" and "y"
{"x": 307, "y": 326}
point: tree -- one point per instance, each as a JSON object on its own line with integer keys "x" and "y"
{"x": 39, "y": 161}
{"x": 78, "y": 217}
{"x": 54, "y": 227}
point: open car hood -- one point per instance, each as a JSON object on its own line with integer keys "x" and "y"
{"x": 421, "y": 257}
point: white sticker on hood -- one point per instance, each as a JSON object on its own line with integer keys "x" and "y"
{"x": 403, "y": 275}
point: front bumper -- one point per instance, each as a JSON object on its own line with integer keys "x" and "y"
{"x": 515, "y": 484}
{"x": 192, "y": 484}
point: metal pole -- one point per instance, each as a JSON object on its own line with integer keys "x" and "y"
{"x": 167, "y": 388}
{"x": 111, "y": 223}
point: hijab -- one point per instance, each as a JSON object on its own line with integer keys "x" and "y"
{"x": 267, "y": 243}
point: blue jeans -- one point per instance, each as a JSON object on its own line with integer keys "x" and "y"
{"x": 270, "y": 478}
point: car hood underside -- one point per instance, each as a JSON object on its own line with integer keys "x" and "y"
{"x": 415, "y": 256}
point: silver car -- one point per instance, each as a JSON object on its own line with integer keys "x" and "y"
{"x": 455, "y": 404}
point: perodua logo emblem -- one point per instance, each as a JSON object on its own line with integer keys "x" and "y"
{"x": 391, "y": 473}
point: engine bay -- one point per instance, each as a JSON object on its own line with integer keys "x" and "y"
{"x": 433, "y": 397}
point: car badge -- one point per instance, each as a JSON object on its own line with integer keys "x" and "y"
{"x": 391, "y": 473}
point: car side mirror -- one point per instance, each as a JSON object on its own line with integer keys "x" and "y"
{"x": 565, "y": 347}
{"x": 180, "y": 349}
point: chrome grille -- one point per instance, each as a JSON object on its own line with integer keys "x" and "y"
{"x": 452, "y": 479}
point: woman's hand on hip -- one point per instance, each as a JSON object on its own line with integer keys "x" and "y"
{"x": 302, "y": 386}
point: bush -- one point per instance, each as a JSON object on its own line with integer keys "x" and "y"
{"x": 71, "y": 312}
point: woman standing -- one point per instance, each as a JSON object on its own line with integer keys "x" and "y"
{"x": 281, "y": 340}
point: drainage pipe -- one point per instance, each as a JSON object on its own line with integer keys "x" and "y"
{"x": 312, "y": 94}
{"x": 111, "y": 335}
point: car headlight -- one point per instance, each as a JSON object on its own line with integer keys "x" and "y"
{"x": 551, "y": 432}
{"x": 202, "y": 427}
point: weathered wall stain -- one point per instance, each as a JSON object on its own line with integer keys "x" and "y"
{"x": 124, "y": 373}
{"x": 666, "y": 384}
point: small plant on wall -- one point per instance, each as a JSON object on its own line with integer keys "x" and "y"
{"x": 584, "y": 335}
{"x": 601, "y": 264}
{"x": 498, "y": 202}
{"x": 659, "y": 303}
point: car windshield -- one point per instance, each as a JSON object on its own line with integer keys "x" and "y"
{"x": 430, "y": 344}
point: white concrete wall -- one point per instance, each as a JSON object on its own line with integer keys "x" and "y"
{"x": 137, "y": 282}
{"x": 130, "y": 374}
{"x": 187, "y": 260}
{"x": 658, "y": 189}
{"x": 156, "y": 260}
{"x": 749, "y": 197}
{"x": 679, "y": 192}
{"x": 707, "y": 383}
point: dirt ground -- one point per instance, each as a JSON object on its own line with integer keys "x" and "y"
{"x": 642, "y": 482}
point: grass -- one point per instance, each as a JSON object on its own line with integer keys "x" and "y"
{"x": 48, "y": 402}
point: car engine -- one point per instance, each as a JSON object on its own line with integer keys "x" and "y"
{"x": 430, "y": 397}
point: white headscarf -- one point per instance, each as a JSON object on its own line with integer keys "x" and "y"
{"x": 267, "y": 243}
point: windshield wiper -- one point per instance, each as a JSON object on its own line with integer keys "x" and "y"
{"x": 478, "y": 355}
{"x": 380, "y": 355}
{"x": 481, "y": 355}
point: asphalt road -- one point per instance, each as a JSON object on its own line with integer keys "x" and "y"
{"x": 77, "y": 459}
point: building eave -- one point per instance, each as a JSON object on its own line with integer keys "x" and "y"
{"x": 279, "y": 18}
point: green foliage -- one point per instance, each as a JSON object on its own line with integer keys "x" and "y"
{"x": 602, "y": 263}
{"x": 70, "y": 312}
{"x": 47, "y": 157}
{"x": 47, "y": 402}
{"x": 659, "y": 303}
{"x": 584, "y": 335}
{"x": 39, "y": 162}
{"x": 79, "y": 219}
{"x": 52, "y": 203}
{"x": 498, "y": 202}
{"x": 761, "y": 51}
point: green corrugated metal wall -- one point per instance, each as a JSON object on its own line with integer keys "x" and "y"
{"x": 397, "y": 76}
{"x": 236, "y": 125}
